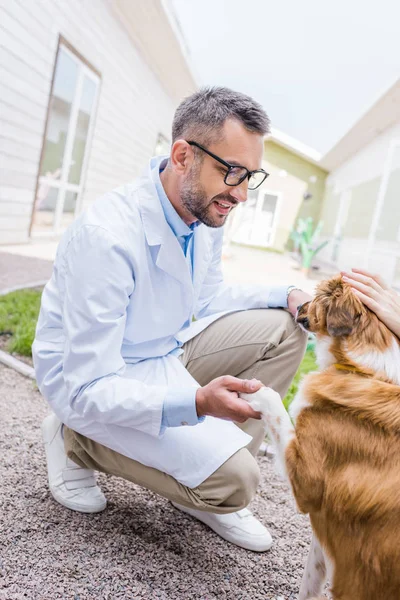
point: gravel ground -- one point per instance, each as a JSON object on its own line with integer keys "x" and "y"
{"x": 140, "y": 547}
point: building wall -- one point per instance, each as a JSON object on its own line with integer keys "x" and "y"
{"x": 356, "y": 185}
{"x": 290, "y": 175}
{"x": 133, "y": 106}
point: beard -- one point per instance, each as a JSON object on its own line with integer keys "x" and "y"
{"x": 194, "y": 199}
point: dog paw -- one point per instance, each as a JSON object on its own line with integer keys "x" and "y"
{"x": 262, "y": 400}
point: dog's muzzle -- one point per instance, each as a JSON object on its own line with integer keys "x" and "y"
{"x": 302, "y": 321}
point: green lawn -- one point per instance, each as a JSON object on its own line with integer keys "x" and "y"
{"x": 18, "y": 315}
{"x": 308, "y": 364}
{"x": 19, "y": 312}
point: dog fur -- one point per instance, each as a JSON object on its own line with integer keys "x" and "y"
{"x": 342, "y": 460}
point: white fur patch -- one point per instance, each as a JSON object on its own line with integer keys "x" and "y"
{"x": 276, "y": 419}
{"x": 315, "y": 573}
{"x": 299, "y": 402}
{"x": 387, "y": 361}
{"x": 322, "y": 351}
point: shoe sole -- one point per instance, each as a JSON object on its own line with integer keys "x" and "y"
{"x": 222, "y": 534}
{"x": 78, "y": 507}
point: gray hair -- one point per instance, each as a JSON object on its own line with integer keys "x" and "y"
{"x": 202, "y": 115}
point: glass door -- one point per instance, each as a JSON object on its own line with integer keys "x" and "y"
{"x": 68, "y": 134}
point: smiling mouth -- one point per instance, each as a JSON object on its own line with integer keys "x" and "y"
{"x": 224, "y": 205}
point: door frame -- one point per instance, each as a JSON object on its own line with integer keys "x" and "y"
{"x": 85, "y": 69}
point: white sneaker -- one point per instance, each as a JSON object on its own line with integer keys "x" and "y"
{"x": 240, "y": 528}
{"x": 71, "y": 485}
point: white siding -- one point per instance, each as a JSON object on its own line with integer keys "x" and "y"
{"x": 133, "y": 106}
{"x": 366, "y": 165}
{"x": 357, "y": 182}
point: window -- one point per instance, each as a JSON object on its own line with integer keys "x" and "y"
{"x": 258, "y": 219}
{"x": 66, "y": 144}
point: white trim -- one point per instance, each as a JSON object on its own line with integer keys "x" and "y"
{"x": 85, "y": 162}
{"x": 277, "y": 213}
{"x": 394, "y": 144}
{"x": 57, "y": 183}
{"x": 381, "y": 115}
{"x": 344, "y": 205}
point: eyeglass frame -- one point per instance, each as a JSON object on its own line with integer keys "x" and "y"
{"x": 247, "y": 175}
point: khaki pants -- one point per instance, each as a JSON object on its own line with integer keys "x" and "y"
{"x": 260, "y": 343}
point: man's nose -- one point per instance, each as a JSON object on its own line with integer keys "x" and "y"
{"x": 239, "y": 192}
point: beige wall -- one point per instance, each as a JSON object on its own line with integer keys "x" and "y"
{"x": 290, "y": 177}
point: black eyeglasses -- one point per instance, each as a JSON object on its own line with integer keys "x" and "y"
{"x": 236, "y": 174}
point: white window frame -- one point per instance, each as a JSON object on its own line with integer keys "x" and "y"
{"x": 257, "y": 212}
{"x": 62, "y": 183}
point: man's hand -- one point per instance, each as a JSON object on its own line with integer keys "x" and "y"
{"x": 220, "y": 398}
{"x": 297, "y": 297}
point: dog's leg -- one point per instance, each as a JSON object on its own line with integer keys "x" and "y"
{"x": 276, "y": 419}
{"x": 315, "y": 572}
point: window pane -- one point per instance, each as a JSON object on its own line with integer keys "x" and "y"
{"x": 82, "y": 129}
{"x": 45, "y": 208}
{"x": 269, "y": 203}
{"x": 69, "y": 209}
{"x": 268, "y": 212}
{"x": 65, "y": 79}
{"x": 243, "y": 233}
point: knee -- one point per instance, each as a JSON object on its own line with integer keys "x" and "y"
{"x": 236, "y": 481}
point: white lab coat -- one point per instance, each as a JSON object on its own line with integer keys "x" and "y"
{"x": 116, "y": 303}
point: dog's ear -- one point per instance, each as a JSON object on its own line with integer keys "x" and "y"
{"x": 339, "y": 321}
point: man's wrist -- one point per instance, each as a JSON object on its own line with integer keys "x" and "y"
{"x": 200, "y": 405}
{"x": 291, "y": 289}
{"x": 297, "y": 297}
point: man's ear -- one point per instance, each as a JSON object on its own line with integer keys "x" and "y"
{"x": 339, "y": 322}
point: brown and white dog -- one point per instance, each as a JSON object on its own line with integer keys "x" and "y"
{"x": 343, "y": 458}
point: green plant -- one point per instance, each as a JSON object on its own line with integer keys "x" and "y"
{"x": 308, "y": 364}
{"x": 305, "y": 240}
{"x": 18, "y": 316}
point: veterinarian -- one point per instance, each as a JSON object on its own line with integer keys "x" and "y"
{"x": 141, "y": 349}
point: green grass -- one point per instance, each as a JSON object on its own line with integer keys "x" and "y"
{"x": 19, "y": 312}
{"x": 308, "y": 364}
{"x": 18, "y": 316}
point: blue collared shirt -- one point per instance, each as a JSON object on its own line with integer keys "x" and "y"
{"x": 180, "y": 403}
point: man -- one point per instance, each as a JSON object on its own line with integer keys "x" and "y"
{"x": 141, "y": 350}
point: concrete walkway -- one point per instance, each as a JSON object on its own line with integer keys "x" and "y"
{"x": 17, "y": 271}
{"x": 30, "y": 263}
